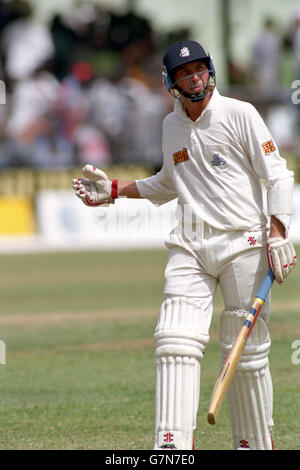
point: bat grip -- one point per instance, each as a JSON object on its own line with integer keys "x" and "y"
{"x": 266, "y": 285}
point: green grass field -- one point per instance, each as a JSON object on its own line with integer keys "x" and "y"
{"x": 80, "y": 357}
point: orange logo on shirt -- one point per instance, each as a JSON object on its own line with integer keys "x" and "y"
{"x": 268, "y": 147}
{"x": 181, "y": 156}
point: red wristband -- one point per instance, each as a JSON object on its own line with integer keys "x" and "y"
{"x": 114, "y": 189}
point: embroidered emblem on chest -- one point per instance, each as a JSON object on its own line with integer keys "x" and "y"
{"x": 268, "y": 147}
{"x": 181, "y": 156}
{"x": 217, "y": 160}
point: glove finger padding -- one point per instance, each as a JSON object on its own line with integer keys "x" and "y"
{"x": 291, "y": 257}
{"x": 281, "y": 257}
{"x": 80, "y": 186}
{"x": 86, "y": 191}
{"x": 97, "y": 176}
{"x": 293, "y": 254}
{"x": 283, "y": 260}
{"x": 275, "y": 265}
{"x": 93, "y": 173}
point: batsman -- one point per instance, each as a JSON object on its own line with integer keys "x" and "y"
{"x": 216, "y": 153}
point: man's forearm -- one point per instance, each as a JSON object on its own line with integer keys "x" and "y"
{"x": 128, "y": 189}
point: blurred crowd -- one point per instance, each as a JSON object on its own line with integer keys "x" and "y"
{"x": 86, "y": 86}
{"x": 274, "y": 67}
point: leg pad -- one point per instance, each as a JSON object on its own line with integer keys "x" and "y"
{"x": 250, "y": 395}
{"x": 180, "y": 342}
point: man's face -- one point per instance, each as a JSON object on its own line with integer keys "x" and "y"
{"x": 192, "y": 77}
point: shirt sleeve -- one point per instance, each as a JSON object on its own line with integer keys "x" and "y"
{"x": 158, "y": 188}
{"x": 262, "y": 150}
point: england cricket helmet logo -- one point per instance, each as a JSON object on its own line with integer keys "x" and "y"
{"x": 184, "y": 52}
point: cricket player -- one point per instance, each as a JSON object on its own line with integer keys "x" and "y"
{"x": 216, "y": 152}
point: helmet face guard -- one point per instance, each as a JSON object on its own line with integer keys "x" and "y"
{"x": 189, "y": 93}
{"x": 184, "y": 52}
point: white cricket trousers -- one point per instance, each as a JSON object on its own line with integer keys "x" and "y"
{"x": 236, "y": 261}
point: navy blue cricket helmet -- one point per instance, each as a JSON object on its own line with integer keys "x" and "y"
{"x": 180, "y": 53}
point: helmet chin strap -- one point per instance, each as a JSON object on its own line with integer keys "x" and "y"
{"x": 195, "y": 97}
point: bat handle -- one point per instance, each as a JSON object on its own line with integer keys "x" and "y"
{"x": 266, "y": 285}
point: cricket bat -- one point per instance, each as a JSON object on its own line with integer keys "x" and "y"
{"x": 232, "y": 360}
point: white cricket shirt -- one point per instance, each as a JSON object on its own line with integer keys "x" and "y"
{"x": 215, "y": 165}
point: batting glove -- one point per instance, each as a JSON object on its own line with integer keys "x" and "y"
{"x": 95, "y": 189}
{"x": 281, "y": 257}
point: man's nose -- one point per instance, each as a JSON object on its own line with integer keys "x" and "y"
{"x": 196, "y": 77}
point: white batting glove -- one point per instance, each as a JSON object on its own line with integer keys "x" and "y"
{"x": 95, "y": 189}
{"x": 281, "y": 257}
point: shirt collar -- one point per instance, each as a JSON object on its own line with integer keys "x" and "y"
{"x": 212, "y": 104}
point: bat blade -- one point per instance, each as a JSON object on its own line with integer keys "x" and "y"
{"x": 229, "y": 367}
